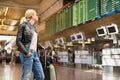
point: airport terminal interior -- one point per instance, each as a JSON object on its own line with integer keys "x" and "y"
{"x": 82, "y": 37}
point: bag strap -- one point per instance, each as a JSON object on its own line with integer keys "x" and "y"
{"x": 45, "y": 58}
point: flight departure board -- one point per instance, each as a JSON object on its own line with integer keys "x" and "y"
{"x": 107, "y": 6}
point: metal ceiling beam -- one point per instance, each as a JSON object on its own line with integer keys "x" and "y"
{"x": 12, "y": 33}
{"x": 14, "y": 5}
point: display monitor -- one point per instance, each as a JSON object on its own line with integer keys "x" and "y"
{"x": 112, "y": 29}
{"x": 62, "y": 40}
{"x": 80, "y": 36}
{"x": 57, "y": 41}
{"x": 73, "y": 37}
{"x": 101, "y": 31}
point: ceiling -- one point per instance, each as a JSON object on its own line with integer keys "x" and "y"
{"x": 11, "y": 11}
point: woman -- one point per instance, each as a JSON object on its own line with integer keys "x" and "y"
{"x": 27, "y": 44}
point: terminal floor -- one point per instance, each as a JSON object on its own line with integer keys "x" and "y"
{"x": 63, "y": 73}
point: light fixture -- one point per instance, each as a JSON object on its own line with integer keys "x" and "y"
{"x": 11, "y": 28}
{"x": 56, "y": 46}
{"x": 6, "y": 10}
{"x": 69, "y": 44}
{"x": 88, "y": 40}
{"x": 13, "y": 22}
{"x": 93, "y": 39}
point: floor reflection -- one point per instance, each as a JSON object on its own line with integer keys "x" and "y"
{"x": 63, "y": 73}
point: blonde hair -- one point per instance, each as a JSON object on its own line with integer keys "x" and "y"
{"x": 29, "y": 13}
{"x": 23, "y": 19}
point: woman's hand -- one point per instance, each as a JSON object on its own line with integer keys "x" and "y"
{"x": 28, "y": 55}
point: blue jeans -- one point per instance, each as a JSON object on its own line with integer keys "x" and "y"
{"x": 31, "y": 64}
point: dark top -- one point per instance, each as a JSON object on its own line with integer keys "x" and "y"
{"x": 24, "y": 37}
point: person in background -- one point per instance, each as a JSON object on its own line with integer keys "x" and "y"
{"x": 28, "y": 45}
{"x": 54, "y": 56}
{"x": 70, "y": 55}
{"x": 3, "y": 54}
{"x": 12, "y": 62}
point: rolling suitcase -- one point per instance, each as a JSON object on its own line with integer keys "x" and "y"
{"x": 45, "y": 60}
{"x": 52, "y": 72}
{"x": 48, "y": 68}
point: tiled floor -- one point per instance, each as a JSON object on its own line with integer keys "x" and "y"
{"x": 63, "y": 73}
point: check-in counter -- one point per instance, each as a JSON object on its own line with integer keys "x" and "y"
{"x": 63, "y": 56}
{"x": 111, "y": 57}
{"x": 83, "y": 57}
